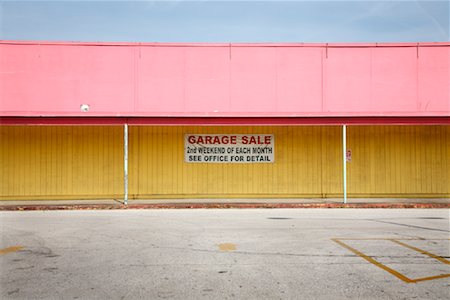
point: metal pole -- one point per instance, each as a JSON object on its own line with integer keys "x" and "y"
{"x": 125, "y": 163}
{"x": 344, "y": 159}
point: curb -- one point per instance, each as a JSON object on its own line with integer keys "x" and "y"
{"x": 219, "y": 206}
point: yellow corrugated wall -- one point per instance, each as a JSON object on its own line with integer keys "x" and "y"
{"x": 409, "y": 161}
{"x": 39, "y": 162}
{"x": 87, "y": 162}
{"x": 157, "y": 167}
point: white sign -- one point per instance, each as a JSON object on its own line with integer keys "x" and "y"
{"x": 229, "y": 148}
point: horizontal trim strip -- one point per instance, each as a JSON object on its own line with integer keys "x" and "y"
{"x": 223, "y": 121}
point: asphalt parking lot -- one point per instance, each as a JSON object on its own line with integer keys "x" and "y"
{"x": 225, "y": 254}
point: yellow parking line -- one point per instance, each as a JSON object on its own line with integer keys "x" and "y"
{"x": 384, "y": 239}
{"x": 432, "y": 277}
{"x": 370, "y": 239}
{"x": 439, "y": 258}
{"x": 227, "y": 247}
{"x": 10, "y": 249}
{"x": 376, "y": 263}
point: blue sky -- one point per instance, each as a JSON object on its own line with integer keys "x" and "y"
{"x": 226, "y": 21}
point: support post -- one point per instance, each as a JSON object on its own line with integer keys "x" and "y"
{"x": 344, "y": 160}
{"x": 125, "y": 164}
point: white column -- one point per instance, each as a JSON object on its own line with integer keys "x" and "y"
{"x": 125, "y": 163}
{"x": 344, "y": 160}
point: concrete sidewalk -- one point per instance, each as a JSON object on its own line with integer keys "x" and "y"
{"x": 226, "y": 203}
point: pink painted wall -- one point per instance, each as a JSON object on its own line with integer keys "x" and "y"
{"x": 54, "y": 79}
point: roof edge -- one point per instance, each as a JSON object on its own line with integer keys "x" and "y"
{"x": 174, "y": 44}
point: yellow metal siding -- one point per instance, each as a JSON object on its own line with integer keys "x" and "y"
{"x": 331, "y": 163}
{"x": 87, "y": 162}
{"x": 157, "y": 167}
{"x": 399, "y": 161}
{"x": 394, "y": 161}
{"x": 61, "y": 162}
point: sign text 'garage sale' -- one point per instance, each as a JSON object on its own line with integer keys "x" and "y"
{"x": 229, "y": 148}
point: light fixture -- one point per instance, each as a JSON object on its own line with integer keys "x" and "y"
{"x": 84, "y": 107}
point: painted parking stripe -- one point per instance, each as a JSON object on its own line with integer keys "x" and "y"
{"x": 10, "y": 249}
{"x": 392, "y": 271}
{"x": 227, "y": 247}
{"x": 386, "y": 239}
{"x": 432, "y": 277}
{"x": 376, "y": 263}
{"x": 439, "y": 258}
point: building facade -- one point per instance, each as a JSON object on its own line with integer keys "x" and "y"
{"x": 147, "y": 120}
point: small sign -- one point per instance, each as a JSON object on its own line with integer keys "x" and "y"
{"x": 348, "y": 155}
{"x": 229, "y": 148}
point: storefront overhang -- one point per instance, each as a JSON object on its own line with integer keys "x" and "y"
{"x": 231, "y": 121}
